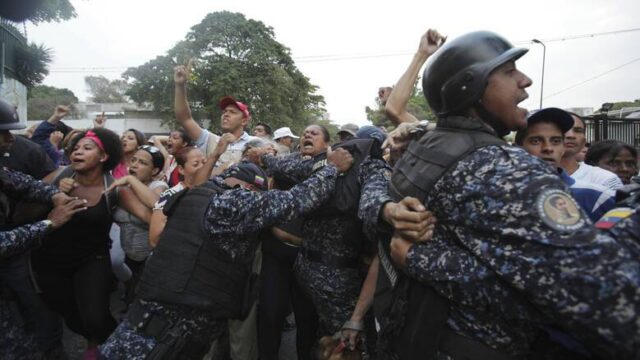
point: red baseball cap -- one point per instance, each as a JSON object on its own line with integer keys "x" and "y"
{"x": 228, "y": 100}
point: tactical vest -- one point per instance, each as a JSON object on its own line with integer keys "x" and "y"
{"x": 347, "y": 193}
{"x": 346, "y": 198}
{"x": 186, "y": 268}
{"x": 421, "y": 166}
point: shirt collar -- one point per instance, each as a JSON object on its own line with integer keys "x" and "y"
{"x": 565, "y": 177}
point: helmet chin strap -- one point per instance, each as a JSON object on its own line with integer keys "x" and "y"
{"x": 491, "y": 120}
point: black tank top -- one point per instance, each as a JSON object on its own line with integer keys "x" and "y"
{"x": 84, "y": 238}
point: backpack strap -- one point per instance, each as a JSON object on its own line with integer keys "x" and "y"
{"x": 111, "y": 196}
{"x": 66, "y": 172}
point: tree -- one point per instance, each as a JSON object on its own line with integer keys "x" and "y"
{"x": 104, "y": 90}
{"x": 31, "y": 63}
{"x": 37, "y": 11}
{"x": 417, "y": 106}
{"x": 233, "y": 56}
{"x": 43, "y": 99}
{"x": 53, "y": 10}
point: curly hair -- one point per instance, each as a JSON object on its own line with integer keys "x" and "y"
{"x": 111, "y": 143}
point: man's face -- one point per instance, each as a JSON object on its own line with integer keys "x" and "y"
{"x": 232, "y": 119}
{"x": 575, "y": 138}
{"x": 6, "y": 141}
{"x": 544, "y": 140}
{"x": 260, "y": 131}
{"x": 505, "y": 90}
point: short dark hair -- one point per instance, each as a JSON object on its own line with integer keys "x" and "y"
{"x": 183, "y": 135}
{"x": 267, "y": 128}
{"x": 111, "y": 143}
{"x": 140, "y": 138}
{"x": 325, "y": 132}
{"x": 578, "y": 116}
{"x": 522, "y": 134}
{"x": 607, "y": 148}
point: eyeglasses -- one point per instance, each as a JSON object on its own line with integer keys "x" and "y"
{"x": 149, "y": 148}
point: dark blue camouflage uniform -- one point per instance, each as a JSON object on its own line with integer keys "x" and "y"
{"x": 228, "y": 219}
{"x": 507, "y": 263}
{"x": 333, "y": 290}
{"x": 15, "y": 342}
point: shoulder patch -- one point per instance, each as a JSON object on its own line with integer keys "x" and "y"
{"x": 613, "y": 216}
{"x": 559, "y": 210}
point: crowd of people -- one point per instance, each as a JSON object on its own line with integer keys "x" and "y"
{"x": 438, "y": 241}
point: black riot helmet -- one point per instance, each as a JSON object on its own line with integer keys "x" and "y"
{"x": 9, "y": 119}
{"x": 456, "y": 75}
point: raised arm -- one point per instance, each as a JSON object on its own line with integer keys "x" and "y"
{"x": 396, "y": 106}
{"x": 242, "y": 211}
{"x": 182, "y": 109}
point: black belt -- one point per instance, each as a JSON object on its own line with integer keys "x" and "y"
{"x": 328, "y": 259}
{"x": 170, "y": 339}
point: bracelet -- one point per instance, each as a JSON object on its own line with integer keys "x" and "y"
{"x": 353, "y": 325}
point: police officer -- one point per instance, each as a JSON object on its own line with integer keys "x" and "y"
{"x": 198, "y": 274}
{"x": 17, "y": 342}
{"x": 339, "y": 235}
{"x": 506, "y": 265}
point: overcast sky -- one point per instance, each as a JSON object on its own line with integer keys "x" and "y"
{"x": 350, "y": 48}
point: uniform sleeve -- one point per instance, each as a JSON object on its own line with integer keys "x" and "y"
{"x": 21, "y": 238}
{"x": 292, "y": 167}
{"x": 374, "y": 178}
{"x": 41, "y": 137}
{"x": 517, "y": 218}
{"x": 25, "y": 187}
{"x": 241, "y": 211}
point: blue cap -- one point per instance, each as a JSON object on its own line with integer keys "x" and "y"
{"x": 249, "y": 172}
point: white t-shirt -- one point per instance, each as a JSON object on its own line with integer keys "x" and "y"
{"x": 595, "y": 175}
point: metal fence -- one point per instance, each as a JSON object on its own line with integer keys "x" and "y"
{"x": 10, "y": 39}
{"x": 603, "y": 128}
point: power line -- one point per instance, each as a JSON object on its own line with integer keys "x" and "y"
{"x": 593, "y": 78}
{"x": 341, "y": 57}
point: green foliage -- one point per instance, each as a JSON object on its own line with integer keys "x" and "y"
{"x": 233, "y": 56}
{"x": 417, "y": 106}
{"x": 625, "y": 104}
{"x": 53, "y": 10}
{"x": 31, "y": 63}
{"x": 104, "y": 90}
{"x": 43, "y": 99}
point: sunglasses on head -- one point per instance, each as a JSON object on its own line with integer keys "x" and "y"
{"x": 149, "y": 148}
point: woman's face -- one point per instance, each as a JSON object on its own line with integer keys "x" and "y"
{"x": 623, "y": 164}
{"x": 129, "y": 142}
{"x": 175, "y": 142}
{"x": 195, "y": 161}
{"x": 313, "y": 142}
{"x": 141, "y": 166}
{"x": 86, "y": 155}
